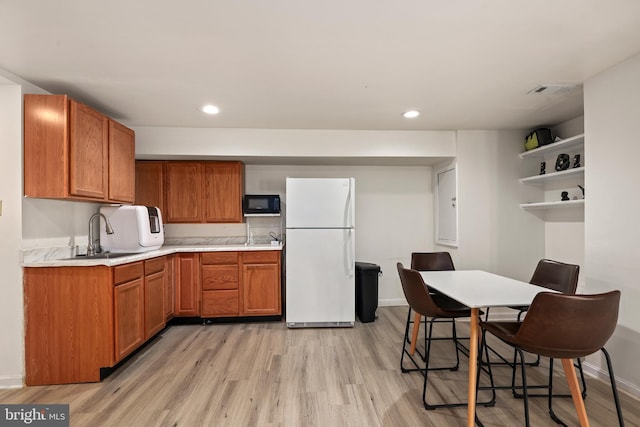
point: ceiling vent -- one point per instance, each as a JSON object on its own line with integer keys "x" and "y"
{"x": 555, "y": 89}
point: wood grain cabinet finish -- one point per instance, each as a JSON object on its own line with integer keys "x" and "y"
{"x": 129, "y": 316}
{"x": 261, "y": 291}
{"x": 67, "y": 152}
{"x": 154, "y": 292}
{"x": 220, "y": 279}
{"x": 209, "y": 192}
{"x": 187, "y": 277}
{"x": 169, "y": 288}
{"x": 69, "y": 333}
{"x": 150, "y": 184}
{"x": 183, "y": 189}
{"x": 122, "y": 152}
{"x": 223, "y": 189}
{"x": 81, "y": 319}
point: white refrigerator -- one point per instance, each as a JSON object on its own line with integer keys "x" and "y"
{"x": 320, "y": 251}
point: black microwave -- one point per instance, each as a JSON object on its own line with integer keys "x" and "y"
{"x": 261, "y": 204}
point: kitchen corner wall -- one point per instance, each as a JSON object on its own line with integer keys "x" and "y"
{"x": 494, "y": 233}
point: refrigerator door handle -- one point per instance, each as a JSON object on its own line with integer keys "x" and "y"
{"x": 351, "y": 251}
{"x": 350, "y": 203}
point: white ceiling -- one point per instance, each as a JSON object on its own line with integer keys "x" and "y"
{"x": 321, "y": 64}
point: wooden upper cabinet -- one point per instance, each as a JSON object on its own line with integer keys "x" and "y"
{"x": 149, "y": 184}
{"x": 223, "y": 188}
{"x": 198, "y": 192}
{"x": 183, "y": 185}
{"x": 88, "y": 152}
{"x": 122, "y": 152}
{"x": 67, "y": 152}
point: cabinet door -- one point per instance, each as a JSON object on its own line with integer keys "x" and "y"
{"x": 187, "y": 273}
{"x": 88, "y": 152}
{"x": 149, "y": 184}
{"x": 183, "y": 183}
{"x": 169, "y": 288}
{"x": 154, "y": 312}
{"x": 260, "y": 284}
{"x": 121, "y": 163}
{"x": 223, "y": 188}
{"x": 129, "y": 317}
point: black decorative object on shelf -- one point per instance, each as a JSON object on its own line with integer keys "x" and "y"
{"x": 565, "y": 195}
{"x": 576, "y": 161}
{"x": 581, "y": 189}
{"x": 543, "y": 167}
{"x": 562, "y": 162}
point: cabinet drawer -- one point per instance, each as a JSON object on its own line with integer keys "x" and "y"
{"x": 153, "y": 265}
{"x": 219, "y": 277}
{"x": 260, "y": 257}
{"x": 219, "y": 258}
{"x": 219, "y": 303}
{"x": 128, "y": 272}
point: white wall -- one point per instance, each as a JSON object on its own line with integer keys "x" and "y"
{"x": 494, "y": 233}
{"x": 612, "y": 234}
{"x": 11, "y": 302}
{"x": 564, "y": 230}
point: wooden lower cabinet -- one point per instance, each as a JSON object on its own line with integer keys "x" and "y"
{"x": 169, "y": 288}
{"x": 128, "y": 309}
{"x": 81, "y": 319}
{"x": 238, "y": 284}
{"x": 261, "y": 295}
{"x": 219, "y": 272}
{"x": 154, "y": 291}
{"x": 187, "y": 279}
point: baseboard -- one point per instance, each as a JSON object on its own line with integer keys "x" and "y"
{"x": 392, "y": 302}
{"x": 601, "y": 374}
{"x": 11, "y": 382}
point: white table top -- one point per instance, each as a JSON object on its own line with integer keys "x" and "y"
{"x": 477, "y": 289}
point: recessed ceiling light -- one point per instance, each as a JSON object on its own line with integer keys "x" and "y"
{"x": 411, "y": 114}
{"x": 210, "y": 109}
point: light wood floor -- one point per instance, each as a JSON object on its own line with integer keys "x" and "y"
{"x": 263, "y": 374}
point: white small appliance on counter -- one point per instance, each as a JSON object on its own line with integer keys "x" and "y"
{"x": 135, "y": 228}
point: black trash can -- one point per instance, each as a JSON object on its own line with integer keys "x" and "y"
{"x": 367, "y": 291}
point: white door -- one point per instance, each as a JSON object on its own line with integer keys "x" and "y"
{"x": 320, "y": 276}
{"x": 447, "y": 232}
{"x": 320, "y": 202}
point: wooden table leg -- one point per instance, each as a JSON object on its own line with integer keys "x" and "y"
{"x": 572, "y": 379}
{"x": 414, "y": 335}
{"x": 473, "y": 366}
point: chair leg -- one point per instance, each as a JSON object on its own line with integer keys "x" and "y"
{"x": 614, "y": 388}
{"x": 524, "y": 387}
{"x": 416, "y": 330}
{"x": 552, "y": 414}
{"x": 404, "y": 348}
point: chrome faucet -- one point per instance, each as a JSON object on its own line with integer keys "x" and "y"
{"x": 91, "y": 248}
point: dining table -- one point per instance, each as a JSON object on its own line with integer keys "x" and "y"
{"x": 479, "y": 289}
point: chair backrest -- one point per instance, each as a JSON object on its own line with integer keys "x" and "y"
{"x": 431, "y": 261}
{"x": 416, "y": 292}
{"x": 568, "y": 326}
{"x": 556, "y": 275}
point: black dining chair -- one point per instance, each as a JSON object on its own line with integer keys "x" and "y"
{"x": 559, "y": 326}
{"x": 432, "y": 307}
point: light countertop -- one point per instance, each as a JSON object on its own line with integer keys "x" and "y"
{"x": 165, "y": 250}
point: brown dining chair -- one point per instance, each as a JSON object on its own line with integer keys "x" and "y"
{"x": 428, "y": 261}
{"x": 560, "y": 326}
{"x": 560, "y": 277}
{"x": 433, "y": 308}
